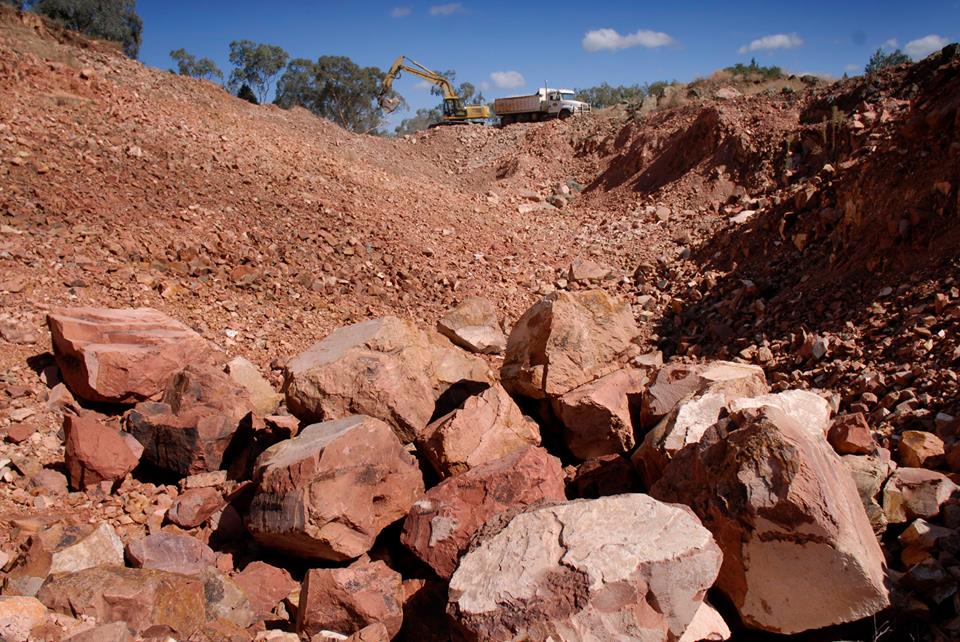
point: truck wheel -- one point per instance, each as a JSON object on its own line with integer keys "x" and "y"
{"x": 565, "y": 114}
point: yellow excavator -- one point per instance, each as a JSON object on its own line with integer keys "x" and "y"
{"x": 454, "y": 111}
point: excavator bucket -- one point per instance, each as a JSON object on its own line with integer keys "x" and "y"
{"x": 388, "y": 104}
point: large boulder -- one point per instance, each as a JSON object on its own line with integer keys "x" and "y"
{"x": 566, "y": 340}
{"x": 601, "y": 417}
{"x": 677, "y": 381}
{"x": 616, "y": 568}
{"x": 328, "y": 492}
{"x": 473, "y": 325}
{"x": 384, "y": 368}
{"x": 121, "y": 356}
{"x": 145, "y": 599}
{"x": 692, "y": 416}
{"x": 346, "y": 600}
{"x": 63, "y": 548}
{"x": 438, "y": 528}
{"x": 95, "y": 452}
{"x": 798, "y": 550}
{"x": 189, "y": 431}
{"x": 487, "y": 427}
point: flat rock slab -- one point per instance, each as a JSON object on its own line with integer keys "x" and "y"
{"x": 677, "y": 381}
{"x": 799, "y": 551}
{"x": 473, "y": 325}
{"x": 123, "y": 355}
{"x": 143, "y": 598}
{"x": 439, "y": 526}
{"x": 266, "y": 586}
{"x": 565, "y": 341}
{"x": 169, "y": 552}
{"x": 626, "y": 567}
{"x": 328, "y": 492}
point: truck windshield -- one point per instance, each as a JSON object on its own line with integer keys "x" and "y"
{"x": 566, "y": 95}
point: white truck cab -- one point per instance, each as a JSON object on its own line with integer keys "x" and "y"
{"x": 546, "y": 103}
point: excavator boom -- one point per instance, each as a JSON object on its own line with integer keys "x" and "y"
{"x": 454, "y": 110}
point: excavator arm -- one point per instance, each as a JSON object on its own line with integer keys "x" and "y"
{"x": 402, "y": 63}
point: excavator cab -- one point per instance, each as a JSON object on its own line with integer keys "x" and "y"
{"x": 453, "y": 108}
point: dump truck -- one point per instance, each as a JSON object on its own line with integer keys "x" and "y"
{"x": 545, "y": 104}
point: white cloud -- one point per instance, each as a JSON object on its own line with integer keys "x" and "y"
{"x": 610, "y": 39}
{"x": 400, "y": 12}
{"x": 446, "y": 9}
{"x": 484, "y": 85}
{"x": 508, "y": 79}
{"x": 773, "y": 41}
{"x": 851, "y": 67}
{"x": 891, "y": 43}
{"x": 923, "y": 47}
{"x": 423, "y": 85}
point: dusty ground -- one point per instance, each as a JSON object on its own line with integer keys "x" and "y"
{"x": 749, "y": 229}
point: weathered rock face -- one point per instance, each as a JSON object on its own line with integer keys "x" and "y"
{"x": 94, "y": 452}
{"x": 919, "y": 449}
{"x": 916, "y": 492}
{"x": 566, "y": 340}
{"x": 384, "y": 368}
{"x": 346, "y": 600}
{"x": 439, "y": 526}
{"x": 169, "y": 552}
{"x": 473, "y": 325}
{"x": 121, "y": 356}
{"x": 63, "y": 549}
{"x": 600, "y": 417}
{"x": 195, "y": 506}
{"x": 675, "y": 382}
{"x": 142, "y": 598}
{"x": 692, "y": 416}
{"x": 799, "y": 552}
{"x": 18, "y": 616}
{"x": 870, "y": 473}
{"x": 262, "y": 395}
{"x": 707, "y": 625}
{"x": 190, "y": 430}
{"x": 487, "y": 427}
{"x": 328, "y": 492}
{"x": 850, "y": 435}
{"x": 617, "y": 568}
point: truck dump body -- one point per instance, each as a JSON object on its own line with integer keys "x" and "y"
{"x": 516, "y": 104}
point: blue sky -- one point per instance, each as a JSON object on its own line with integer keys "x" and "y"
{"x": 512, "y": 47}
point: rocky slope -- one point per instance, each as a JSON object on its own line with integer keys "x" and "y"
{"x": 281, "y": 445}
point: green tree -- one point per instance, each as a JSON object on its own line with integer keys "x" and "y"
{"x": 881, "y": 59}
{"x": 188, "y": 65}
{"x": 753, "y": 71}
{"x": 245, "y": 93}
{"x": 424, "y": 118}
{"x": 256, "y": 64}
{"x": 114, "y": 20}
{"x": 335, "y": 88}
{"x": 606, "y": 95}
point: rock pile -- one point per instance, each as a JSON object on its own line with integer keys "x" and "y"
{"x": 382, "y": 520}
